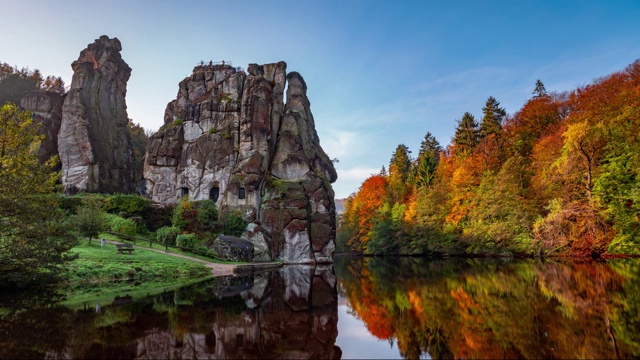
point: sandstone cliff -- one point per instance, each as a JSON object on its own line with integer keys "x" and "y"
{"x": 230, "y": 137}
{"x": 94, "y": 143}
{"x": 46, "y": 109}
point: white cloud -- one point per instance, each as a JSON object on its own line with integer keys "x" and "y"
{"x": 357, "y": 173}
{"x": 339, "y": 143}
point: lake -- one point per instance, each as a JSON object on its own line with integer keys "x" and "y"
{"x": 358, "y": 308}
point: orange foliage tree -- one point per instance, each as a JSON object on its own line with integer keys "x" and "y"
{"x": 361, "y": 209}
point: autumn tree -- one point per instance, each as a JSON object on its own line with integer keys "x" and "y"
{"x": 15, "y": 82}
{"x": 568, "y": 160}
{"x": 537, "y": 118}
{"x": 34, "y": 235}
{"x": 360, "y": 211}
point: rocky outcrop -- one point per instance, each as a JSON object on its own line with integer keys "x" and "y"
{"x": 46, "y": 109}
{"x": 232, "y": 248}
{"x": 94, "y": 143}
{"x": 230, "y": 137}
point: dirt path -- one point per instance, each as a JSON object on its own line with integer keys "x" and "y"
{"x": 217, "y": 269}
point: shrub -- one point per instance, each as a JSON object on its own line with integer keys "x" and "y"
{"x": 189, "y": 241}
{"x": 70, "y": 204}
{"x": 120, "y": 225}
{"x": 206, "y": 215}
{"x": 183, "y": 213}
{"x": 167, "y": 235}
{"x": 195, "y": 217}
{"x": 156, "y": 217}
{"x": 233, "y": 224}
{"x": 205, "y": 251}
{"x": 140, "y": 226}
{"x": 126, "y": 205}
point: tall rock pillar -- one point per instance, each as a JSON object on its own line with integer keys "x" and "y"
{"x": 94, "y": 142}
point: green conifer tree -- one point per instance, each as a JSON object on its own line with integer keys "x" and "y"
{"x": 467, "y": 134}
{"x": 540, "y": 90}
{"x": 493, "y": 117}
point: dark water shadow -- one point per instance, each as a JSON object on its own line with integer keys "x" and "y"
{"x": 290, "y": 313}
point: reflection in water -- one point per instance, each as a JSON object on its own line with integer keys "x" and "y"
{"x": 413, "y": 307}
{"x": 497, "y": 309}
{"x": 291, "y": 313}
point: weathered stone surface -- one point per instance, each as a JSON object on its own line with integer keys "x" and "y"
{"x": 231, "y": 133}
{"x": 94, "y": 142}
{"x": 256, "y": 234}
{"x": 46, "y": 109}
{"x": 232, "y": 248}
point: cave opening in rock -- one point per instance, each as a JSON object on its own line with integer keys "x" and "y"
{"x": 214, "y": 193}
{"x": 184, "y": 192}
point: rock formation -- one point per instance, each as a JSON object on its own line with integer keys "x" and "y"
{"x": 46, "y": 109}
{"x": 94, "y": 143}
{"x": 230, "y": 137}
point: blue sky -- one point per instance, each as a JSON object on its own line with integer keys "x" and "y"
{"x": 379, "y": 73}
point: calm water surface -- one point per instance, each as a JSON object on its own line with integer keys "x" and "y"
{"x": 359, "y": 308}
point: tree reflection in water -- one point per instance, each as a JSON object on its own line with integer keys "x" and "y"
{"x": 289, "y": 313}
{"x": 497, "y": 308}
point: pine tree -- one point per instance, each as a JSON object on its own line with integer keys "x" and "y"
{"x": 493, "y": 118}
{"x": 399, "y": 169}
{"x": 427, "y": 161}
{"x": 539, "y": 91}
{"x": 467, "y": 134}
{"x": 401, "y": 161}
{"x": 430, "y": 144}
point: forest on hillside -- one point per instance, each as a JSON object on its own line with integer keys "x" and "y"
{"x": 559, "y": 177}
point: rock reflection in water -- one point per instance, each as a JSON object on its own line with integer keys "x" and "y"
{"x": 290, "y": 313}
{"x": 293, "y": 317}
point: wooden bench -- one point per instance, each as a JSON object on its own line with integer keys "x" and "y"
{"x": 124, "y": 247}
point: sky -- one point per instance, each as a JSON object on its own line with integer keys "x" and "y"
{"x": 379, "y": 73}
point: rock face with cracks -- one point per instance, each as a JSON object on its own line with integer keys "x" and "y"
{"x": 46, "y": 109}
{"x": 229, "y": 136}
{"x": 94, "y": 143}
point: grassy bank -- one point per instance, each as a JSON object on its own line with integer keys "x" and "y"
{"x": 96, "y": 264}
{"x": 170, "y": 250}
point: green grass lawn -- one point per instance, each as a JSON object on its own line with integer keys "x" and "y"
{"x": 96, "y": 264}
{"x": 143, "y": 243}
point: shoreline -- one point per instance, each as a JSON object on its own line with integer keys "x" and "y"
{"x": 220, "y": 269}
